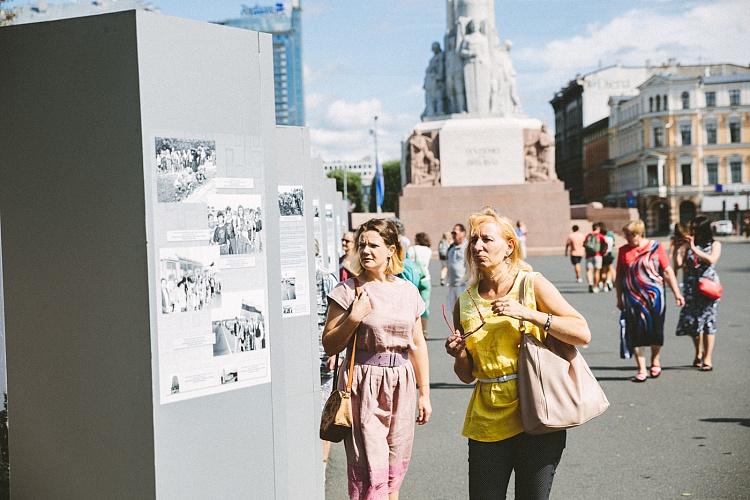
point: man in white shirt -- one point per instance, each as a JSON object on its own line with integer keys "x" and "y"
{"x": 456, "y": 265}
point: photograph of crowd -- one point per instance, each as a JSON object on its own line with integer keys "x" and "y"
{"x": 291, "y": 201}
{"x": 240, "y": 328}
{"x": 189, "y": 279}
{"x": 182, "y": 167}
{"x": 236, "y": 224}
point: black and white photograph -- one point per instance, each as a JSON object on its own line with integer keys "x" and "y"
{"x": 184, "y": 167}
{"x": 239, "y": 326}
{"x": 236, "y": 223}
{"x": 189, "y": 279}
{"x": 288, "y": 288}
{"x": 228, "y": 376}
{"x": 291, "y": 201}
{"x": 175, "y": 389}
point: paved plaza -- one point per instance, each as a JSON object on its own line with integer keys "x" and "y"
{"x": 684, "y": 435}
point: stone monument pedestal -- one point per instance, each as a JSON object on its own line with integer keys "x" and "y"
{"x": 480, "y": 151}
{"x": 543, "y": 206}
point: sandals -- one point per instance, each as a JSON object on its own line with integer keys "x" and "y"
{"x": 640, "y": 377}
{"x": 697, "y": 362}
{"x": 706, "y": 368}
{"x": 655, "y": 371}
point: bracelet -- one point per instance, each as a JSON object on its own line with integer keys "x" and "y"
{"x": 547, "y": 323}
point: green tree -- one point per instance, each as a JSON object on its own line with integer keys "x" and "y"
{"x": 353, "y": 187}
{"x": 392, "y": 182}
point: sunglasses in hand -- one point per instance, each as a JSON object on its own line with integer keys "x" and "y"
{"x": 465, "y": 334}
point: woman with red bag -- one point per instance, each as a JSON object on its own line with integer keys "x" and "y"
{"x": 702, "y": 289}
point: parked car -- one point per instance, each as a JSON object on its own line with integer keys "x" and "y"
{"x": 722, "y": 227}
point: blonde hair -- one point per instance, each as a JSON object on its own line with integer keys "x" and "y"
{"x": 635, "y": 227}
{"x": 389, "y": 232}
{"x": 507, "y": 232}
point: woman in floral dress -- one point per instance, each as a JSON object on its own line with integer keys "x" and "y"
{"x": 698, "y": 317}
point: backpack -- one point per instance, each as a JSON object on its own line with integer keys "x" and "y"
{"x": 592, "y": 244}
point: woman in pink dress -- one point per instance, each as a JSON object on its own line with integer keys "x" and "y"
{"x": 391, "y": 363}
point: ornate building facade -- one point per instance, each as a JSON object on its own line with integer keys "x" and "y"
{"x": 682, "y": 146}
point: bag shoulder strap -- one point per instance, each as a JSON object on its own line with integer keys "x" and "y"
{"x": 352, "y": 349}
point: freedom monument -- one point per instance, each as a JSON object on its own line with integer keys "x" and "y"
{"x": 474, "y": 146}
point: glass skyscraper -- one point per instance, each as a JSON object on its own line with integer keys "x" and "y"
{"x": 283, "y": 21}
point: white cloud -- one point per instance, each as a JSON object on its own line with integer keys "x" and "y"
{"x": 345, "y": 115}
{"x": 709, "y": 33}
{"x": 313, "y": 100}
{"x": 715, "y": 32}
{"x": 341, "y": 130}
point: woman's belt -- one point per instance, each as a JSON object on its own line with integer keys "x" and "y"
{"x": 387, "y": 359}
{"x": 504, "y": 378}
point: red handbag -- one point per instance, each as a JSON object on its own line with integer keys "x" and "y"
{"x": 710, "y": 289}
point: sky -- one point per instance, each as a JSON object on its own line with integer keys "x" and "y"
{"x": 364, "y": 58}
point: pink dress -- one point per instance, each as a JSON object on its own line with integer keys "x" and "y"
{"x": 383, "y": 398}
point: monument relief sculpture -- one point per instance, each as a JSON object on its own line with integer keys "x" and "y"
{"x": 539, "y": 155}
{"x": 434, "y": 84}
{"x": 423, "y": 159}
{"x": 454, "y": 76}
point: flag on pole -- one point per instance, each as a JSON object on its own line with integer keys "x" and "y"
{"x": 379, "y": 186}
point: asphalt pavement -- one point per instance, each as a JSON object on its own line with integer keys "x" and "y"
{"x": 683, "y": 435}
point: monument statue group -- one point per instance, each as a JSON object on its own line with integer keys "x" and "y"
{"x": 473, "y": 77}
{"x": 473, "y": 145}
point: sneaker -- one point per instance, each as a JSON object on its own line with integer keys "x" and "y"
{"x": 591, "y": 288}
{"x": 596, "y": 290}
{"x": 579, "y": 280}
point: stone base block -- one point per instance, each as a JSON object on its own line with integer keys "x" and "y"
{"x": 544, "y": 207}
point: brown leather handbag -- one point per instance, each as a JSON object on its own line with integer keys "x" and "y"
{"x": 556, "y": 389}
{"x": 336, "y": 419}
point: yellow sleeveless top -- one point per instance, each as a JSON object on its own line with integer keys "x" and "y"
{"x": 493, "y": 413}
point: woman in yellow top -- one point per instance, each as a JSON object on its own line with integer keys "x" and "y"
{"x": 485, "y": 348}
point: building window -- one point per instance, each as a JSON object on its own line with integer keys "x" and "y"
{"x": 734, "y": 97}
{"x": 735, "y": 170}
{"x": 685, "y": 100}
{"x": 652, "y": 175}
{"x": 658, "y": 103}
{"x": 734, "y": 131}
{"x": 658, "y": 136}
{"x": 712, "y": 169}
{"x": 710, "y": 99}
{"x": 665, "y": 102}
{"x": 710, "y": 133}
{"x": 687, "y": 174}
{"x": 650, "y": 104}
{"x": 685, "y": 134}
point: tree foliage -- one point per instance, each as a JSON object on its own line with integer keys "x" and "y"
{"x": 353, "y": 187}
{"x": 6, "y": 13}
{"x": 392, "y": 182}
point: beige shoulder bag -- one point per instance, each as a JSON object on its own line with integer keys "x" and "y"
{"x": 336, "y": 419}
{"x": 556, "y": 389}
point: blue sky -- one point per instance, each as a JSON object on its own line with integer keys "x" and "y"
{"x": 368, "y": 57}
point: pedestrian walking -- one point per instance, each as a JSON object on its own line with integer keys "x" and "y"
{"x": 607, "y": 277}
{"x": 746, "y": 225}
{"x": 443, "y": 245}
{"x": 421, "y": 253}
{"x": 642, "y": 268}
{"x": 485, "y": 348}
{"x": 574, "y": 248}
{"x": 698, "y": 317}
{"x": 521, "y": 233}
{"x": 391, "y": 363}
{"x": 595, "y": 245}
{"x": 348, "y": 256}
{"x": 456, "y": 259}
